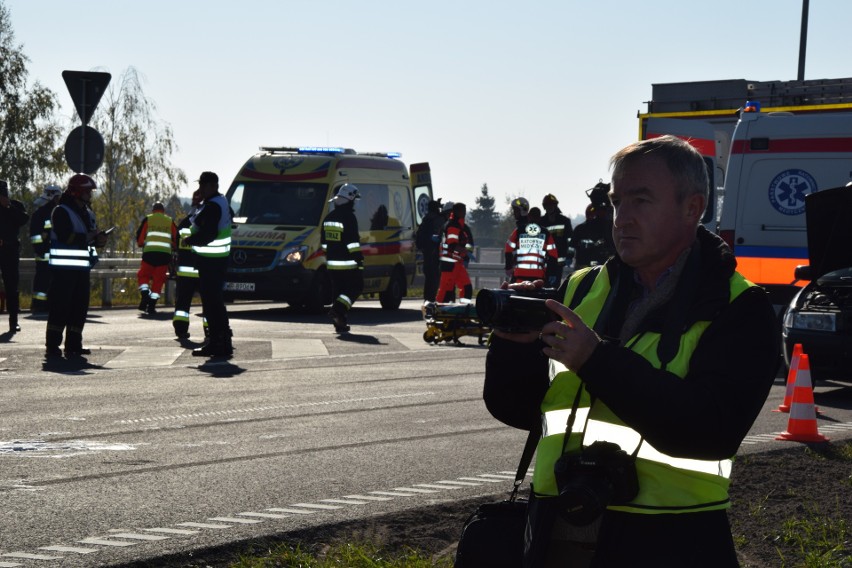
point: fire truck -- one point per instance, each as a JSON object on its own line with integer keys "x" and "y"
{"x": 767, "y": 145}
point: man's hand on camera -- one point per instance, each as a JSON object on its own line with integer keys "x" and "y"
{"x": 521, "y": 337}
{"x": 569, "y": 341}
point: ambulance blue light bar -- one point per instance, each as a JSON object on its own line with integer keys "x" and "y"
{"x": 384, "y": 154}
{"x": 321, "y": 150}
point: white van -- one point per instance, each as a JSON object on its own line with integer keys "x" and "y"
{"x": 776, "y": 160}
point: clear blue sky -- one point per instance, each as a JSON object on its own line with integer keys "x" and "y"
{"x": 529, "y": 98}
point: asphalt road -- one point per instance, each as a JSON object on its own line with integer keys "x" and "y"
{"x": 143, "y": 450}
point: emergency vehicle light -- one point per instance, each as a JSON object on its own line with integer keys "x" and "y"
{"x": 308, "y": 149}
{"x": 384, "y": 154}
{"x": 752, "y": 106}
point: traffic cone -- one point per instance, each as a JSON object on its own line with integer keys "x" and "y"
{"x": 791, "y": 379}
{"x": 802, "y": 426}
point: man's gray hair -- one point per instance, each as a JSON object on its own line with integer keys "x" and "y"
{"x": 684, "y": 162}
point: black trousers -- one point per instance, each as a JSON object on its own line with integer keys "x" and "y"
{"x": 349, "y": 283}
{"x": 41, "y": 284}
{"x": 211, "y": 286}
{"x": 185, "y": 289}
{"x": 431, "y": 273}
{"x": 68, "y": 306}
{"x": 9, "y": 261}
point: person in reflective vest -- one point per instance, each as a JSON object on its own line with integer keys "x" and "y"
{"x": 74, "y": 237}
{"x": 40, "y": 239}
{"x": 13, "y": 216}
{"x": 456, "y": 248}
{"x": 157, "y": 236}
{"x": 667, "y": 353}
{"x": 559, "y": 227}
{"x": 341, "y": 241}
{"x": 186, "y": 282}
{"x": 210, "y": 239}
{"x": 529, "y": 249}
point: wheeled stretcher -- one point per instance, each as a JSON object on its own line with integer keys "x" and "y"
{"x": 449, "y": 322}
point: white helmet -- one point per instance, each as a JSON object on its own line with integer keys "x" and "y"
{"x": 51, "y": 190}
{"x": 345, "y": 194}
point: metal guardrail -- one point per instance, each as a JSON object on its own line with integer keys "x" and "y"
{"x": 107, "y": 270}
{"x": 487, "y": 272}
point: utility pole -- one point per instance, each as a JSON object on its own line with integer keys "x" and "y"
{"x": 803, "y": 40}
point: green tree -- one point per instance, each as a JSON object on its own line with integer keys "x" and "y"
{"x": 137, "y": 168}
{"x": 484, "y": 220}
{"x": 29, "y": 133}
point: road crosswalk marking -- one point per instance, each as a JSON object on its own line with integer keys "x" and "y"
{"x": 144, "y": 356}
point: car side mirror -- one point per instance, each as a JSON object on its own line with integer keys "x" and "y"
{"x": 802, "y": 272}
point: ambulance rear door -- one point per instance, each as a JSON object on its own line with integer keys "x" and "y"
{"x": 711, "y": 142}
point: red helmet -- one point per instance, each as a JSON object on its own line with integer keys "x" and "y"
{"x": 80, "y": 183}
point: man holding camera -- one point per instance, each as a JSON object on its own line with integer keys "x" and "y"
{"x": 646, "y": 385}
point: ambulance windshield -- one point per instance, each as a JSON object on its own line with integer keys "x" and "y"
{"x": 278, "y": 203}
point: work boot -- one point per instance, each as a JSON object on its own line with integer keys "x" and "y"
{"x": 143, "y": 303}
{"x": 52, "y": 352}
{"x": 181, "y": 329}
{"x": 219, "y": 348}
{"x": 339, "y": 321}
{"x": 13, "y": 323}
{"x": 76, "y": 352}
{"x": 152, "y": 306}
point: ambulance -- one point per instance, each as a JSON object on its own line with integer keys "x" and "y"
{"x": 767, "y": 145}
{"x": 279, "y": 199}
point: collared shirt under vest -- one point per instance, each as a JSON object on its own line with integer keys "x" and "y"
{"x": 666, "y": 484}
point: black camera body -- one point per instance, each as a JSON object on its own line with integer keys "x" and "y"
{"x": 602, "y": 474}
{"x": 515, "y": 310}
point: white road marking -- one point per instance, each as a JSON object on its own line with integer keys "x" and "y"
{"x": 171, "y": 531}
{"x": 368, "y": 497}
{"x": 430, "y": 486}
{"x": 480, "y": 479}
{"x": 9, "y": 564}
{"x": 144, "y": 356}
{"x": 235, "y": 520}
{"x": 137, "y": 536}
{"x": 29, "y": 556}
{"x": 317, "y": 506}
{"x": 459, "y": 483}
{"x": 204, "y": 525}
{"x": 264, "y": 515}
{"x": 498, "y": 476}
{"x": 345, "y": 501}
{"x": 294, "y": 511}
{"x": 414, "y": 341}
{"x": 413, "y": 490}
{"x": 392, "y": 493}
{"x": 75, "y": 549}
{"x": 105, "y": 542}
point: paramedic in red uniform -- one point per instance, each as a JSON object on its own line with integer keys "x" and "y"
{"x": 530, "y": 248}
{"x": 455, "y": 249}
{"x": 157, "y": 236}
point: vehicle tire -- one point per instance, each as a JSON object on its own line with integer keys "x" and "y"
{"x": 391, "y": 298}
{"x": 319, "y": 294}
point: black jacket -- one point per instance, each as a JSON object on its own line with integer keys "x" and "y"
{"x": 704, "y": 415}
{"x": 336, "y": 241}
{"x": 12, "y": 218}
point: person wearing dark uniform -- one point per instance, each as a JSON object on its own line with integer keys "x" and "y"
{"x": 341, "y": 242}
{"x": 156, "y": 235}
{"x": 186, "y": 283}
{"x": 13, "y": 216}
{"x": 210, "y": 239}
{"x": 559, "y": 227}
{"x": 73, "y": 239}
{"x": 592, "y": 239}
{"x": 428, "y": 241}
{"x": 40, "y": 238}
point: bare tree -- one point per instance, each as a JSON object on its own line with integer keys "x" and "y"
{"x": 137, "y": 168}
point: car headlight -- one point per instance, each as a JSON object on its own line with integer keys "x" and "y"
{"x": 294, "y": 255}
{"x": 812, "y": 321}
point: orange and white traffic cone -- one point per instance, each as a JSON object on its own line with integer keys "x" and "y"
{"x": 791, "y": 379}
{"x": 802, "y": 426}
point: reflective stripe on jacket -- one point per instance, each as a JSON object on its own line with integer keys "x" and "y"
{"x": 66, "y": 257}
{"x": 158, "y": 234}
{"x": 666, "y": 484}
{"x": 219, "y": 247}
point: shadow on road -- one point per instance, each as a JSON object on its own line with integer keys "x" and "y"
{"x": 366, "y": 316}
{"x": 74, "y": 366}
{"x": 221, "y": 369}
{"x": 359, "y": 338}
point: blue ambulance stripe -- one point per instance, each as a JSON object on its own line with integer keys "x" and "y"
{"x": 771, "y": 252}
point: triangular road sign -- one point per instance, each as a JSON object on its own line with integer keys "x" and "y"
{"x": 86, "y": 89}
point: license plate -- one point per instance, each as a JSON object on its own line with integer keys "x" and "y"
{"x": 239, "y": 286}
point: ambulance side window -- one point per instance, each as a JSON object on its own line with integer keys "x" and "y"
{"x": 372, "y": 210}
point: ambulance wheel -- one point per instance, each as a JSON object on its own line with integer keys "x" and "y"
{"x": 319, "y": 294}
{"x": 391, "y": 298}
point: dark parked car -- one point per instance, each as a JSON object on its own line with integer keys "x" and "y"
{"x": 820, "y": 315}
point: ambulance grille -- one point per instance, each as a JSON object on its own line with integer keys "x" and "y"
{"x": 244, "y": 259}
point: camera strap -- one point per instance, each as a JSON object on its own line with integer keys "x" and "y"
{"x": 526, "y": 458}
{"x": 569, "y": 426}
